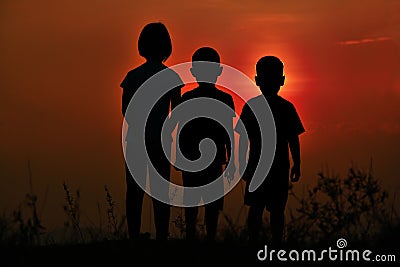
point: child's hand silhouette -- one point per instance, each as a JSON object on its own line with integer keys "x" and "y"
{"x": 295, "y": 173}
{"x": 230, "y": 172}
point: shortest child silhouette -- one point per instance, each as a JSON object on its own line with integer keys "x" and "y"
{"x": 193, "y": 129}
{"x": 272, "y": 194}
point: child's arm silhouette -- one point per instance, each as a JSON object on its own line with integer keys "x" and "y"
{"x": 175, "y": 97}
{"x": 243, "y": 148}
{"x": 172, "y": 121}
{"x": 294, "y": 145}
{"x": 230, "y": 146}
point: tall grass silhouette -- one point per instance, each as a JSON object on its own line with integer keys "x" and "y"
{"x": 355, "y": 206}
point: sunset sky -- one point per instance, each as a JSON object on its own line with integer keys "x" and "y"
{"x": 61, "y": 63}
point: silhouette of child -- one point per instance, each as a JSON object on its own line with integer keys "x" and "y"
{"x": 273, "y": 192}
{"x": 201, "y": 128}
{"x": 155, "y": 46}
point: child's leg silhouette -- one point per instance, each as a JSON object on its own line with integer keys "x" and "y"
{"x": 254, "y": 222}
{"x": 277, "y": 221}
{"x": 159, "y": 170}
{"x": 211, "y": 220}
{"x": 191, "y": 218}
{"x": 134, "y": 202}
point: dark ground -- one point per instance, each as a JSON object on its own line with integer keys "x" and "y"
{"x": 155, "y": 253}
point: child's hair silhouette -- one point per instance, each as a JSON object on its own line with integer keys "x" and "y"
{"x": 270, "y": 76}
{"x": 206, "y": 72}
{"x": 206, "y": 54}
{"x": 155, "y": 49}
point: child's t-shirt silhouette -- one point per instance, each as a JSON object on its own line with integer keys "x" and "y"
{"x": 132, "y": 82}
{"x": 200, "y": 128}
{"x": 287, "y": 124}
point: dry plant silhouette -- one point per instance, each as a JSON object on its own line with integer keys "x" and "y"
{"x": 355, "y": 207}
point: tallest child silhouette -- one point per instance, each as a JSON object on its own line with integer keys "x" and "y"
{"x": 155, "y": 46}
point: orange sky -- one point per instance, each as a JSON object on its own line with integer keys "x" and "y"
{"x": 62, "y": 63}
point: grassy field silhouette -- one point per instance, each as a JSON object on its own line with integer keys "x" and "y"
{"x": 355, "y": 207}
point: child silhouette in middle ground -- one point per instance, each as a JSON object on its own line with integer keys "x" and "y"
{"x": 202, "y": 128}
{"x": 272, "y": 194}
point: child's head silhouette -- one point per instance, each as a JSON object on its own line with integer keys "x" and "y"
{"x": 269, "y": 75}
{"x": 155, "y": 42}
{"x": 204, "y": 72}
